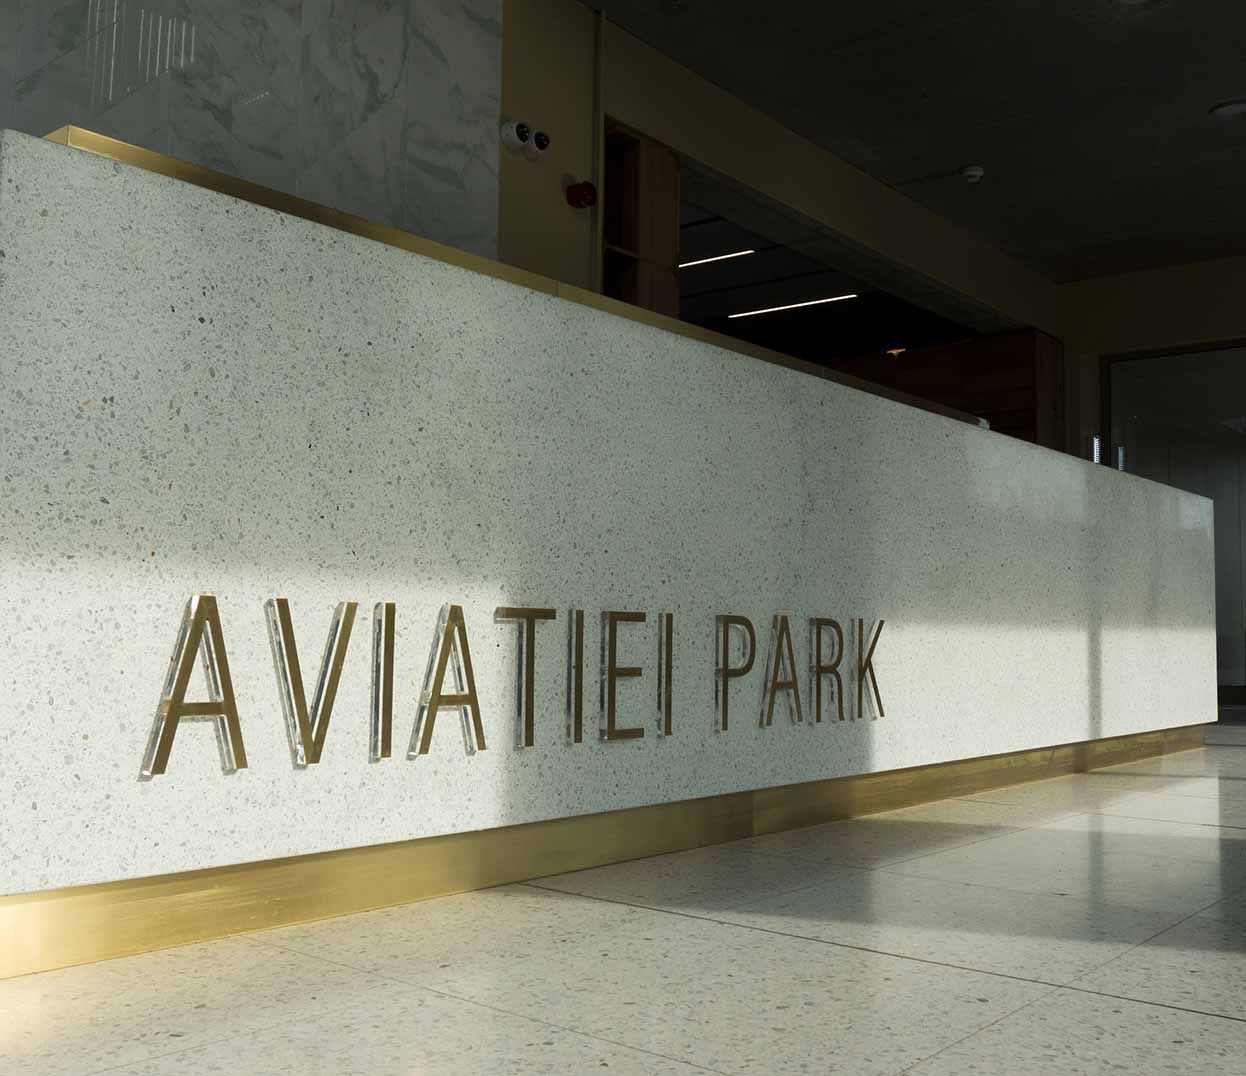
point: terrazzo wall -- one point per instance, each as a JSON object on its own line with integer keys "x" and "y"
{"x": 204, "y": 396}
{"x": 384, "y": 108}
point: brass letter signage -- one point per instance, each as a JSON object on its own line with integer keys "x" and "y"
{"x": 307, "y": 729}
{"x": 865, "y": 664}
{"x": 525, "y": 685}
{"x": 201, "y": 634}
{"x": 575, "y": 676}
{"x": 381, "y": 742}
{"x": 820, "y": 668}
{"x": 780, "y": 652}
{"x": 666, "y": 666}
{"x": 726, "y": 671}
{"x": 450, "y": 630}
{"x": 616, "y": 672}
{"x": 450, "y": 656}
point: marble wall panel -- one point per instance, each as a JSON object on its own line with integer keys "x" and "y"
{"x": 348, "y": 75}
{"x": 364, "y": 173}
{"x": 351, "y": 14}
{"x": 55, "y": 28}
{"x": 451, "y": 127}
{"x": 319, "y": 98}
{"x": 10, "y": 25}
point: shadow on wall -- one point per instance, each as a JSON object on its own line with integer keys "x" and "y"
{"x": 386, "y": 111}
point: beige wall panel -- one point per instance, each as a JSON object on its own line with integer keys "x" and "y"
{"x": 548, "y": 80}
{"x": 1184, "y": 306}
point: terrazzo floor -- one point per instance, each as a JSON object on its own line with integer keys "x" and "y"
{"x": 1088, "y": 924}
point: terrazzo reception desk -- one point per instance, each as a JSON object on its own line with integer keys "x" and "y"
{"x": 534, "y": 560}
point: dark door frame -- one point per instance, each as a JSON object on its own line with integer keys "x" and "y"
{"x": 1108, "y": 361}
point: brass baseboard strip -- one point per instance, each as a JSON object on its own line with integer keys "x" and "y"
{"x": 58, "y": 928}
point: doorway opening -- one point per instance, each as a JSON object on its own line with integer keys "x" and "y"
{"x": 1180, "y": 419}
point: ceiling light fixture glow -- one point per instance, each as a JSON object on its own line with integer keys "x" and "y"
{"x": 716, "y": 258}
{"x": 1228, "y": 109}
{"x": 792, "y": 306}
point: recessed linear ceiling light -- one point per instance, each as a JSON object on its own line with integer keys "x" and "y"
{"x": 792, "y": 306}
{"x": 1228, "y": 109}
{"x": 716, "y": 258}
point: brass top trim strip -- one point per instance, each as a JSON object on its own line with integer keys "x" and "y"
{"x": 244, "y": 190}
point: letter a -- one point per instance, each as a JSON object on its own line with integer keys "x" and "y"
{"x": 201, "y": 613}
{"x": 781, "y": 650}
{"x": 445, "y": 653}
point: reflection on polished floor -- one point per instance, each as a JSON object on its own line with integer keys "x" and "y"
{"x": 1088, "y": 924}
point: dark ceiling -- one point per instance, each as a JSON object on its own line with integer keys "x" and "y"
{"x": 1090, "y": 117}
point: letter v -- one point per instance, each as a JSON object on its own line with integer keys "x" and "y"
{"x": 307, "y": 729}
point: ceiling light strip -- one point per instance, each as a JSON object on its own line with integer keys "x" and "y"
{"x": 792, "y": 306}
{"x": 716, "y": 258}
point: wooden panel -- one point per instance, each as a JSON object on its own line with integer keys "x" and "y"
{"x": 1049, "y": 402}
{"x": 641, "y": 223}
{"x": 657, "y": 223}
{"x": 1013, "y": 380}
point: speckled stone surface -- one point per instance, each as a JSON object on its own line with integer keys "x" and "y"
{"x": 203, "y": 395}
{"x": 727, "y": 960}
{"x": 1079, "y": 1034}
